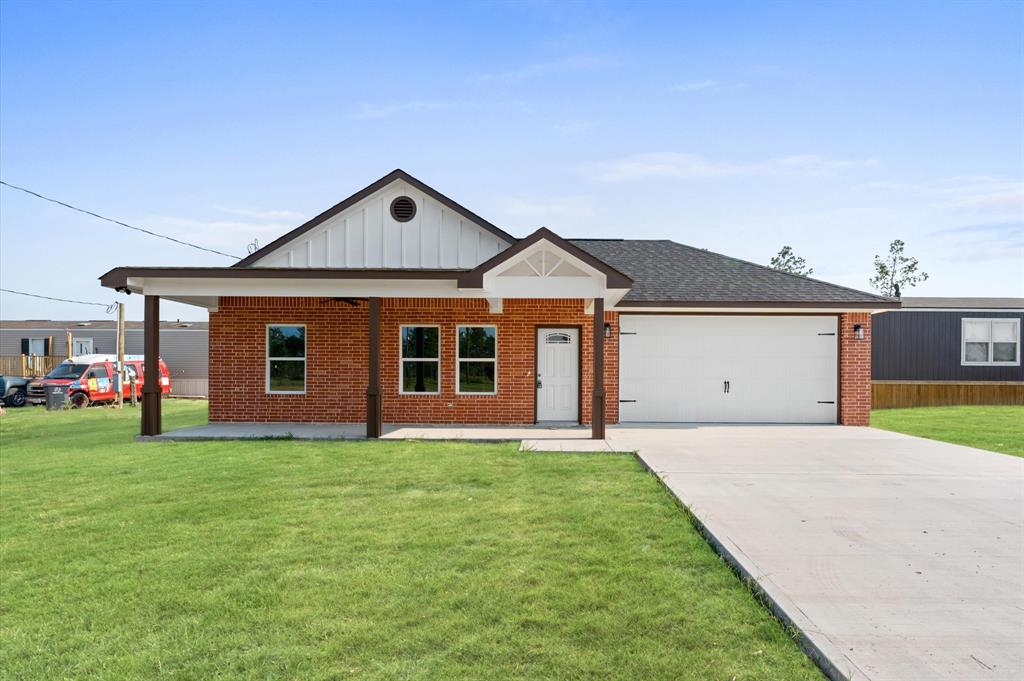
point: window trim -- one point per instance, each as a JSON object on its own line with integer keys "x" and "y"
{"x": 268, "y": 359}
{"x": 402, "y": 358}
{"x": 459, "y": 360}
{"x": 990, "y": 363}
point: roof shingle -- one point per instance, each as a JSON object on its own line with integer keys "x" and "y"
{"x": 668, "y": 272}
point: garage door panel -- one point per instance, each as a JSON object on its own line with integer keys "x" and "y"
{"x": 779, "y": 369}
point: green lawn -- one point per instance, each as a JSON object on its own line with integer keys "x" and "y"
{"x": 1000, "y": 429}
{"x": 363, "y": 560}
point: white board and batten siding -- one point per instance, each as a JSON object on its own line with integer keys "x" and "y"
{"x": 728, "y": 369}
{"x": 366, "y": 236}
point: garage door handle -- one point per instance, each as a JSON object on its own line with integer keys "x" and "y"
{"x": 725, "y": 386}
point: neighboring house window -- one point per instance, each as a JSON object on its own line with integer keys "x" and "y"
{"x": 420, "y": 360}
{"x": 477, "y": 359}
{"x": 34, "y": 346}
{"x": 286, "y": 358}
{"x": 83, "y": 346}
{"x": 992, "y": 342}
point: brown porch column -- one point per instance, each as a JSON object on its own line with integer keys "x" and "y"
{"x": 373, "y": 402}
{"x": 597, "y": 403}
{"x": 152, "y": 388}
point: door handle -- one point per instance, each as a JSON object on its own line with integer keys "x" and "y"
{"x": 725, "y": 386}
{"x": 539, "y": 383}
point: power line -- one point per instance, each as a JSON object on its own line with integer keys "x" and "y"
{"x": 117, "y": 222}
{"x": 109, "y": 307}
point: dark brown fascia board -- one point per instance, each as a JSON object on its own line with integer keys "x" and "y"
{"x": 397, "y": 174}
{"x": 475, "y": 278}
{"x": 767, "y": 304}
{"x": 118, "y": 277}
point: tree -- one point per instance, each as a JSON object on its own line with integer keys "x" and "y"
{"x": 896, "y": 271}
{"x": 787, "y": 261}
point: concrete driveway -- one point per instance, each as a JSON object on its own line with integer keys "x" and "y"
{"x": 899, "y": 558}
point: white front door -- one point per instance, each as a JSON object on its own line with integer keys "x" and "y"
{"x": 730, "y": 368}
{"x": 558, "y": 374}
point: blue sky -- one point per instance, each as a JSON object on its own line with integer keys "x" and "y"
{"x": 741, "y": 127}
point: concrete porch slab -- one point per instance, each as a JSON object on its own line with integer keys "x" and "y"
{"x": 486, "y": 433}
{"x": 571, "y": 435}
{"x": 266, "y": 431}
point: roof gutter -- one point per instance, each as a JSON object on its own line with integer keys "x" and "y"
{"x": 707, "y": 305}
{"x": 117, "y": 278}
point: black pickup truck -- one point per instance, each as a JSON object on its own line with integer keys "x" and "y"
{"x": 13, "y": 390}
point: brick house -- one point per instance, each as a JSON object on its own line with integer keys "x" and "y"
{"x": 399, "y": 305}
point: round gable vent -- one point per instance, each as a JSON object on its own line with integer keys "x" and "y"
{"x": 403, "y": 209}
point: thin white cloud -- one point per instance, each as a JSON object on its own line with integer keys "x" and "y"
{"x": 563, "y": 207}
{"x": 982, "y": 195}
{"x": 369, "y": 111}
{"x": 983, "y": 242}
{"x": 705, "y": 85}
{"x": 260, "y": 214}
{"x": 229, "y": 235}
{"x": 575, "y": 126}
{"x": 572, "y": 64}
{"x": 999, "y": 202}
{"x": 668, "y": 164}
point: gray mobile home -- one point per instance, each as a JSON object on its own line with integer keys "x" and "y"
{"x": 936, "y": 351}
{"x": 183, "y": 345}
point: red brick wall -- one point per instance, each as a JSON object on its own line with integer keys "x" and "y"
{"x": 336, "y": 360}
{"x": 854, "y": 370}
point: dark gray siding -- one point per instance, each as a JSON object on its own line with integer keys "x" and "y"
{"x": 923, "y": 345}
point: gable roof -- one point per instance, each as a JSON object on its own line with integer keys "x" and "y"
{"x": 394, "y": 175}
{"x": 475, "y": 277}
{"x": 672, "y": 274}
{"x": 963, "y": 303}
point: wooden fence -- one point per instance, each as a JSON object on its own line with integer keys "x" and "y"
{"x": 896, "y": 394}
{"x": 30, "y": 366}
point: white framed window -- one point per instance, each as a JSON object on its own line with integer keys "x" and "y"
{"x": 34, "y": 346}
{"x": 989, "y": 342}
{"x": 420, "y": 359}
{"x": 476, "y": 364}
{"x": 286, "y": 359}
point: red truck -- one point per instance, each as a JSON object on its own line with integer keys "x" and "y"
{"x": 90, "y": 378}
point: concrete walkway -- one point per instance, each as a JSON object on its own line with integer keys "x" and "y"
{"x": 901, "y": 559}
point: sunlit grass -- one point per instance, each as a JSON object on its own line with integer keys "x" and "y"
{"x": 368, "y": 560}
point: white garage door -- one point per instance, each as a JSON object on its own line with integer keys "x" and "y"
{"x": 728, "y": 369}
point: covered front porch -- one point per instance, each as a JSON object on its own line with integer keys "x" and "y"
{"x": 337, "y": 353}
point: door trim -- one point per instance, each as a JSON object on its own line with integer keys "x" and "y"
{"x": 579, "y": 366}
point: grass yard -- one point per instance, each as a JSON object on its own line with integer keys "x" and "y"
{"x": 362, "y": 560}
{"x": 1000, "y": 429}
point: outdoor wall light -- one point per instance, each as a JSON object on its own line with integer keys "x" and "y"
{"x": 858, "y": 332}
{"x": 607, "y": 330}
